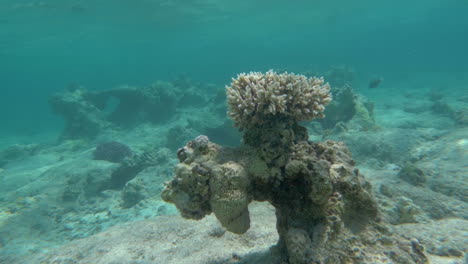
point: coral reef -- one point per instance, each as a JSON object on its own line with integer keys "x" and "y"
{"x": 154, "y": 103}
{"x": 461, "y": 116}
{"x": 406, "y": 211}
{"x": 131, "y": 166}
{"x": 178, "y": 136}
{"x": 413, "y": 175}
{"x": 82, "y": 118}
{"x": 324, "y": 208}
{"x": 435, "y": 95}
{"x": 18, "y": 151}
{"x": 88, "y": 113}
{"x": 340, "y": 76}
{"x": 224, "y": 134}
{"x": 112, "y": 151}
{"x": 83, "y": 187}
{"x": 443, "y": 109}
{"x": 446, "y": 243}
{"x": 132, "y": 194}
{"x": 347, "y": 106}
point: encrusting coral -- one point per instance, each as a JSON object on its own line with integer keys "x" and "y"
{"x": 325, "y": 209}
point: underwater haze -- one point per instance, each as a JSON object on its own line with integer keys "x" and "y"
{"x": 46, "y": 45}
{"x": 98, "y": 96}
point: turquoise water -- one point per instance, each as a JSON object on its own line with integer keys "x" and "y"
{"x": 48, "y": 46}
{"x": 45, "y": 45}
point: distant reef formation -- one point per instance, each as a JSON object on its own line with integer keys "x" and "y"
{"x": 325, "y": 210}
{"x": 348, "y": 111}
{"x": 88, "y": 113}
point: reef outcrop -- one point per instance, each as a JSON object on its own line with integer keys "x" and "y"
{"x": 89, "y": 113}
{"x": 348, "y": 110}
{"x": 325, "y": 210}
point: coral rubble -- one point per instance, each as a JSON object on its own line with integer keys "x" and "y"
{"x": 325, "y": 210}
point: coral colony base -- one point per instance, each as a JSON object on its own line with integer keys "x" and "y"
{"x": 325, "y": 210}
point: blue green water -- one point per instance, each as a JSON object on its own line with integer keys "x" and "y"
{"x": 46, "y": 45}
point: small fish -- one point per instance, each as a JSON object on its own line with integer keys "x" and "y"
{"x": 374, "y": 83}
